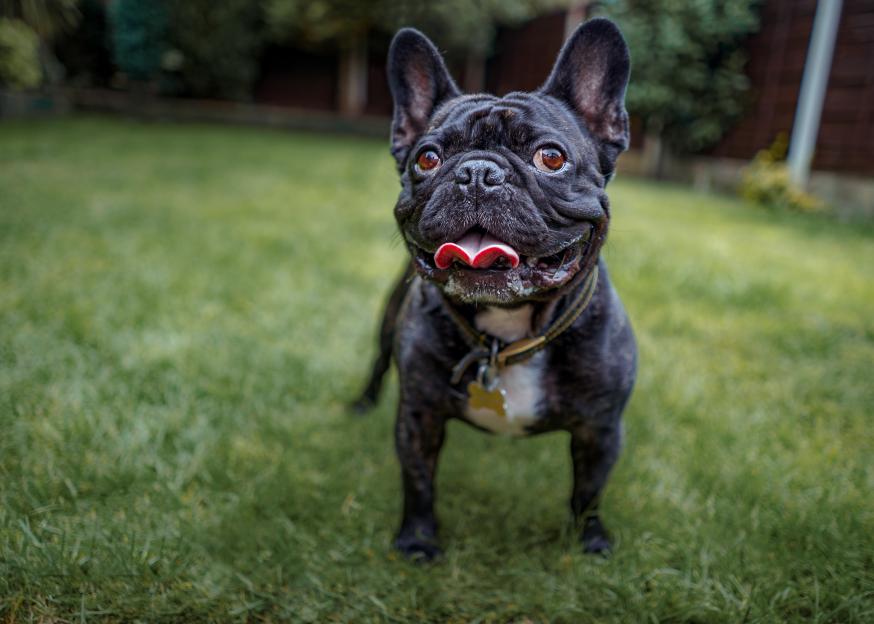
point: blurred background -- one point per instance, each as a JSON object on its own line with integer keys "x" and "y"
{"x": 714, "y": 83}
{"x": 196, "y": 241}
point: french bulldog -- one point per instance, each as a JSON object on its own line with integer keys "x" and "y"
{"x": 506, "y": 317}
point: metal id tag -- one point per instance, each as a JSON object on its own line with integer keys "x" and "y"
{"x": 486, "y": 393}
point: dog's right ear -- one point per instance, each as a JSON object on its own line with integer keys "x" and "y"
{"x": 590, "y": 76}
{"x": 419, "y": 83}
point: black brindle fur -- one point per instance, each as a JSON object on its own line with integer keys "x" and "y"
{"x": 562, "y": 217}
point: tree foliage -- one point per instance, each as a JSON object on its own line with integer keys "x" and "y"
{"x": 47, "y": 18}
{"x": 214, "y": 46}
{"x": 687, "y": 77}
{"x": 19, "y": 55}
{"x": 85, "y": 52}
{"x": 458, "y": 25}
{"x": 464, "y": 26}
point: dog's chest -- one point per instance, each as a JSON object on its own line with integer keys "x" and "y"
{"x": 522, "y": 383}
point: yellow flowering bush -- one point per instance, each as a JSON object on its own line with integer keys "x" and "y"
{"x": 766, "y": 181}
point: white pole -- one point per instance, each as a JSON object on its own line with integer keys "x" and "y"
{"x": 805, "y": 128}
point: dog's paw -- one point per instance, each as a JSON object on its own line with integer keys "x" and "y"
{"x": 594, "y": 537}
{"x": 419, "y": 552}
{"x": 418, "y": 546}
{"x": 597, "y": 545}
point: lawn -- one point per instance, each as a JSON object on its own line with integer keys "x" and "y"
{"x": 186, "y": 309}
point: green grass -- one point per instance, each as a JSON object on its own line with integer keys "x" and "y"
{"x": 184, "y": 311}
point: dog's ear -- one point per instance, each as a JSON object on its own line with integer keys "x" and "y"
{"x": 591, "y": 75}
{"x": 419, "y": 83}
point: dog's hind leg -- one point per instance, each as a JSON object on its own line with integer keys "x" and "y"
{"x": 594, "y": 451}
{"x": 370, "y": 394}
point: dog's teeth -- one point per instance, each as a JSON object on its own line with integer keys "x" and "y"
{"x": 531, "y": 261}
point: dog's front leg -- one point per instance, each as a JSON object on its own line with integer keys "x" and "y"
{"x": 594, "y": 451}
{"x": 418, "y": 438}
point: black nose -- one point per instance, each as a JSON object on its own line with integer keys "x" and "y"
{"x": 479, "y": 173}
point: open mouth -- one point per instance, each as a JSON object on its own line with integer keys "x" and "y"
{"x": 479, "y": 265}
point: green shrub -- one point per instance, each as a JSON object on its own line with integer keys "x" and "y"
{"x": 138, "y": 36}
{"x": 687, "y": 65}
{"x": 19, "y": 55}
{"x": 197, "y": 47}
{"x": 766, "y": 181}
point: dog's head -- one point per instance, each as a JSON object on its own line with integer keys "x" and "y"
{"x": 503, "y": 198}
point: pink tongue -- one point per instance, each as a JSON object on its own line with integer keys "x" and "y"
{"x": 477, "y": 250}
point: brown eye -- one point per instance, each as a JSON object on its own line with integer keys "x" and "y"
{"x": 549, "y": 159}
{"x": 428, "y": 160}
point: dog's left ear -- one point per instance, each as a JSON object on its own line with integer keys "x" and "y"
{"x": 591, "y": 75}
{"x": 419, "y": 83}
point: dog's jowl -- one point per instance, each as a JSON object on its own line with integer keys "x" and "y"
{"x": 506, "y": 317}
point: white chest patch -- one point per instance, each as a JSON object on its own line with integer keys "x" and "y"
{"x": 521, "y": 382}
